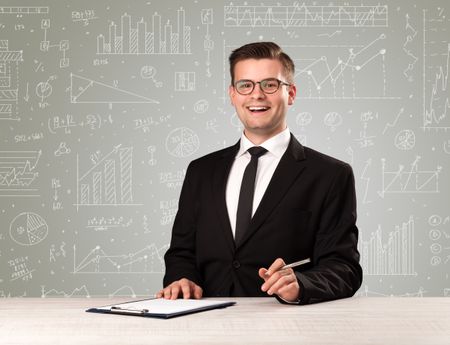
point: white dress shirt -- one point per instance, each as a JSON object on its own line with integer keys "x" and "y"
{"x": 267, "y": 163}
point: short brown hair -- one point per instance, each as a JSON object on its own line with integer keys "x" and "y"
{"x": 262, "y": 50}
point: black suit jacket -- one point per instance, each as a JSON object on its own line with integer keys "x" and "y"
{"x": 307, "y": 211}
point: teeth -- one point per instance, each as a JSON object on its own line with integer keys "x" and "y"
{"x": 257, "y": 108}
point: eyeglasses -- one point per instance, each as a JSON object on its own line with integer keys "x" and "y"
{"x": 269, "y": 85}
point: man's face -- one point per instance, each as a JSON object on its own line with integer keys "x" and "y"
{"x": 263, "y": 115}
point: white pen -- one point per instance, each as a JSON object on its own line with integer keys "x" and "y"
{"x": 294, "y": 264}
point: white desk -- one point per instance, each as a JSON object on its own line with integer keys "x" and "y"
{"x": 360, "y": 320}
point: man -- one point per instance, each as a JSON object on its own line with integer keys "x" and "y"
{"x": 230, "y": 239}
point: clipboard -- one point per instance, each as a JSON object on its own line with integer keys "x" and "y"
{"x": 161, "y": 308}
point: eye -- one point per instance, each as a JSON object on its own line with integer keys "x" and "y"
{"x": 270, "y": 83}
{"x": 244, "y": 84}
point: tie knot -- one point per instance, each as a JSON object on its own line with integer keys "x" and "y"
{"x": 257, "y": 151}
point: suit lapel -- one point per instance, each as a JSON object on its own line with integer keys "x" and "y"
{"x": 289, "y": 168}
{"x": 220, "y": 178}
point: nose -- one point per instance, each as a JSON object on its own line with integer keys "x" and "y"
{"x": 257, "y": 92}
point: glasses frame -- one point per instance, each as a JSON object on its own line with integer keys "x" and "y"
{"x": 280, "y": 82}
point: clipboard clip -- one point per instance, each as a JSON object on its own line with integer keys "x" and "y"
{"x": 129, "y": 310}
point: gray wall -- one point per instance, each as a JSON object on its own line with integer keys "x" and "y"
{"x": 104, "y": 103}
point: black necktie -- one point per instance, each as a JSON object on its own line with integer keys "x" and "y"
{"x": 245, "y": 204}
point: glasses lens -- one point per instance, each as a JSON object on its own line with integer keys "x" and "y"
{"x": 244, "y": 86}
{"x": 270, "y": 85}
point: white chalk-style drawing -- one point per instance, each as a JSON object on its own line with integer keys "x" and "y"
{"x": 161, "y": 39}
{"x": 84, "y": 16}
{"x": 23, "y": 10}
{"x": 81, "y": 291}
{"x": 409, "y": 181}
{"x": 28, "y": 229}
{"x": 440, "y": 237}
{"x": 18, "y": 173}
{"x": 405, "y": 140}
{"x": 208, "y": 44}
{"x": 108, "y": 223}
{"x": 62, "y": 149}
{"x": 184, "y": 81}
{"x": 182, "y": 142}
{"x": 333, "y": 120}
{"x": 344, "y": 77}
{"x": 302, "y": 15}
{"x": 201, "y": 106}
{"x": 20, "y": 269}
{"x": 393, "y": 257}
{"x": 146, "y": 260}
{"x": 303, "y": 119}
{"x": 85, "y": 90}
{"x": 436, "y": 64}
{"x": 149, "y": 72}
{"x": 123, "y": 291}
{"x": 63, "y": 45}
{"x": 366, "y": 292}
{"x": 9, "y": 78}
{"x": 391, "y": 125}
{"x": 410, "y": 37}
{"x": 109, "y": 181}
{"x": 57, "y": 253}
{"x": 44, "y": 90}
{"x": 366, "y": 180}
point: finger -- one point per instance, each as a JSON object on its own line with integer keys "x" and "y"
{"x": 274, "y": 278}
{"x": 175, "y": 290}
{"x": 198, "y": 291}
{"x": 186, "y": 289}
{"x": 276, "y": 265}
{"x": 280, "y": 283}
{"x": 262, "y": 273}
{"x": 159, "y": 294}
{"x": 167, "y": 292}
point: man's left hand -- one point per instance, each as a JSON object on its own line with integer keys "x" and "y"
{"x": 281, "y": 282}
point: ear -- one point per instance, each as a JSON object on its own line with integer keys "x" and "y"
{"x": 231, "y": 93}
{"x": 291, "y": 94}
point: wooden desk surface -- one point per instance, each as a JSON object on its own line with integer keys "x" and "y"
{"x": 360, "y": 320}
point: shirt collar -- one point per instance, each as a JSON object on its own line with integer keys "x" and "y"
{"x": 276, "y": 145}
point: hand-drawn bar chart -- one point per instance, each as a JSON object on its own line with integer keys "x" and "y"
{"x": 109, "y": 181}
{"x": 162, "y": 39}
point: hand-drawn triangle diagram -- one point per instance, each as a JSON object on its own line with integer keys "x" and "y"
{"x": 84, "y": 90}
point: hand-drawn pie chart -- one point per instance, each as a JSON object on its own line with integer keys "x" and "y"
{"x": 28, "y": 229}
{"x": 182, "y": 142}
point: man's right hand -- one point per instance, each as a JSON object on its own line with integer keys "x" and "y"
{"x": 181, "y": 288}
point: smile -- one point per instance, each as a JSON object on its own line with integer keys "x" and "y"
{"x": 257, "y": 109}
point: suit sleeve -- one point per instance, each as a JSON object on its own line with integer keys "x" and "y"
{"x": 180, "y": 257}
{"x": 336, "y": 272}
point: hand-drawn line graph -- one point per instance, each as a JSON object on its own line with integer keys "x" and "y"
{"x": 122, "y": 291}
{"x": 109, "y": 181}
{"x": 17, "y": 173}
{"x": 344, "y": 77}
{"x": 366, "y": 292}
{"x": 147, "y": 260}
{"x": 302, "y": 15}
{"x": 394, "y": 257}
{"x": 9, "y": 76}
{"x": 28, "y": 229}
{"x": 85, "y": 90}
{"x": 436, "y": 63}
{"x": 81, "y": 291}
{"x": 136, "y": 41}
{"x": 411, "y": 181}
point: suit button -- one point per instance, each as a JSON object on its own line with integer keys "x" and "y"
{"x": 236, "y": 264}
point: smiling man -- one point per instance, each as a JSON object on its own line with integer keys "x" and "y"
{"x": 248, "y": 210}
